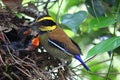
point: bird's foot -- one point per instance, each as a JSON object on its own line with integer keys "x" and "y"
{"x": 56, "y": 68}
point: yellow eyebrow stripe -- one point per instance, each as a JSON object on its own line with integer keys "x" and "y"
{"x": 45, "y": 18}
{"x": 47, "y": 28}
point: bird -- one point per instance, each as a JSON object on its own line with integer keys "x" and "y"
{"x": 56, "y": 41}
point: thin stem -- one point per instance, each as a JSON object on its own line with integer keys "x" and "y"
{"x": 95, "y": 11}
{"x": 58, "y": 12}
{"x": 111, "y": 57}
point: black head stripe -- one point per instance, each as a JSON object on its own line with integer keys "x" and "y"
{"x": 47, "y": 23}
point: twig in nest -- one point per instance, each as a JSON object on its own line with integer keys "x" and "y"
{"x": 60, "y": 72}
{"x": 1, "y": 60}
{"x": 23, "y": 71}
{"x": 14, "y": 74}
{"x": 7, "y": 75}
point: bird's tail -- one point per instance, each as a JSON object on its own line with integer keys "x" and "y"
{"x": 79, "y": 59}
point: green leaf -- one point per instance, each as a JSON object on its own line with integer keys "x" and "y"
{"x": 118, "y": 18}
{"x": 104, "y": 46}
{"x": 101, "y": 22}
{"x": 73, "y": 21}
{"x": 71, "y": 3}
{"x": 95, "y": 8}
{"x": 111, "y": 2}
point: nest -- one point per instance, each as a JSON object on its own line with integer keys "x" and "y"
{"x": 16, "y": 63}
{"x": 29, "y": 65}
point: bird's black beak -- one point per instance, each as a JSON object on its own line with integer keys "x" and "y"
{"x": 33, "y": 24}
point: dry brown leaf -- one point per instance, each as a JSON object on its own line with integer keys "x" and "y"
{"x": 13, "y": 4}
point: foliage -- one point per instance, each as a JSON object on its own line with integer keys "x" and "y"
{"x": 73, "y": 21}
{"x": 92, "y": 24}
{"x": 104, "y": 46}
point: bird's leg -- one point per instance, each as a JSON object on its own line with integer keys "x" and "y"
{"x": 60, "y": 66}
{"x": 56, "y": 68}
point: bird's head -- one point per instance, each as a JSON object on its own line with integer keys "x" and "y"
{"x": 44, "y": 23}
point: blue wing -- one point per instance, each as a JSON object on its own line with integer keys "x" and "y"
{"x": 59, "y": 45}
